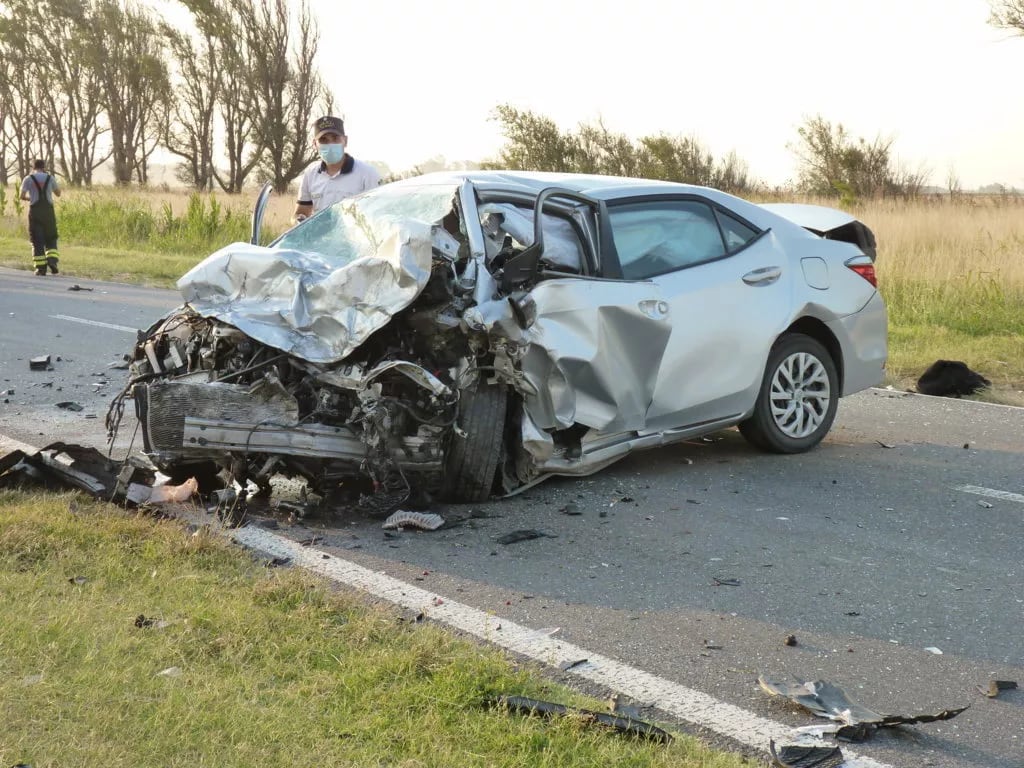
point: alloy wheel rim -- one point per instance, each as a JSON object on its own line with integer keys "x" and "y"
{"x": 800, "y": 395}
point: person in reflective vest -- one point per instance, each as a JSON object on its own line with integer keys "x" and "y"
{"x": 38, "y": 189}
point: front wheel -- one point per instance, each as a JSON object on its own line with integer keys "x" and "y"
{"x": 799, "y": 395}
{"x": 476, "y": 450}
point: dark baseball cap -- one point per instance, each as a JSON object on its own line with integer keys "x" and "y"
{"x": 328, "y": 124}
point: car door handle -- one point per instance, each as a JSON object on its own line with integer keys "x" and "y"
{"x": 762, "y": 276}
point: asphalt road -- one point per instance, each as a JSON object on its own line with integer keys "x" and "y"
{"x": 695, "y": 561}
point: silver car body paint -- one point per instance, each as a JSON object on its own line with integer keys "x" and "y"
{"x": 638, "y": 362}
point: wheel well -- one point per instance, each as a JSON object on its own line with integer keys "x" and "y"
{"x": 818, "y": 331}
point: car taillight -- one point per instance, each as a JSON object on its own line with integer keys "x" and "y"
{"x": 867, "y": 271}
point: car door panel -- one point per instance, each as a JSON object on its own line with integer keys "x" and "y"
{"x": 726, "y": 314}
{"x": 596, "y": 352}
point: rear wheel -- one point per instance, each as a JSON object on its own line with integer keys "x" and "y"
{"x": 471, "y": 461}
{"x": 799, "y": 395}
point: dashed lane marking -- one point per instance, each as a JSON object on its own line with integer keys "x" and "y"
{"x": 96, "y": 323}
{"x": 992, "y": 493}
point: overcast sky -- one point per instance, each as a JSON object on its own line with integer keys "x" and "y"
{"x": 415, "y": 79}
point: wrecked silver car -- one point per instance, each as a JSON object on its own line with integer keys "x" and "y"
{"x": 476, "y": 332}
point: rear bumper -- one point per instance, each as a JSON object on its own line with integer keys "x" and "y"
{"x": 864, "y": 338}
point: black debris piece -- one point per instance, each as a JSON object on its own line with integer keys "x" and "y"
{"x": 77, "y": 287}
{"x": 142, "y": 621}
{"x": 277, "y": 562}
{"x": 725, "y": 582}
{"x": 830, "y": 701}
{"x": 572, "y": 508}
{"x": 524, "y": 535}
{"x": 41, "y": 363}
{"x": 627, "y": 725}
{"x": 995, "y": 687}
{"x": 790, "y": 640}
{"x": 68, "y": 405}
{"x": 565, "y": 666}
{"x": 885, "y": 445}
{"x": 951, "y": 378}
{"x": 795, "y": 756}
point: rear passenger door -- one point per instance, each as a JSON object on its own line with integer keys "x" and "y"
{"x": 728, "y": 292}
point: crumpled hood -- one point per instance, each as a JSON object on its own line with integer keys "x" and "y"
{"x": 303, "y": 303}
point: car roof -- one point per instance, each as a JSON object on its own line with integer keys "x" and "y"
{"x": 593, "y": 185}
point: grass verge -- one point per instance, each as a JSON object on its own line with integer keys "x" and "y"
{"x": 268, "y": 666}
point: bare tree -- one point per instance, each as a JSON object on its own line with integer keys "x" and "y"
{"x": 131, "y": 61}
{"x": 289, "y": 91}
{"x": 1007, "y": 14}
{"x": 60, "y": 111}
{"x": 189, "y": 131}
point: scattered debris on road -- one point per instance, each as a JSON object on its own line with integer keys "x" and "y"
{"x": 725, "y": 582}
{"x": 422, "y": 520}
{"x": 854, "y": 721}
{"x": 626, "y": 725}
{"x": 797, "y": 756}
{"x": 995, "y": 687}
{"x": 524, "y": 535}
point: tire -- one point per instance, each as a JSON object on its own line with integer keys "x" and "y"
{"x": 799, "y": 395}
{"x": 471, "y": 462}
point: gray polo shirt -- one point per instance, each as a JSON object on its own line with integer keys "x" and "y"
{"x": 321, "y": 190}
{"x": 40, "y": 176}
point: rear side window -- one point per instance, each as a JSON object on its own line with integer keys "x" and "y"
{"x": 736, "y": 233}
{"x": 658, "y": 237}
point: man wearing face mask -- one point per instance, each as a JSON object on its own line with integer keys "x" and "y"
{"x": 336, "y": 175}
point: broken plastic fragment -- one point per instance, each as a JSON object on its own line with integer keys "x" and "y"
{"x": 933, "y": 649}
{"x": 423, "y": 520}
{"x": 170, "y": 672}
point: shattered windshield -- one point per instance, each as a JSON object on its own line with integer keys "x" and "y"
{"x": 356, "y": 227}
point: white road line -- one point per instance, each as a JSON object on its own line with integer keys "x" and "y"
{"x": 682, "y": 702}
{"x": 9, "y": 445}
{"x": 992, "y": 493}
{"x": 97, "y": 323}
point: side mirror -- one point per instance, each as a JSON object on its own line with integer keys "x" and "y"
{"x": 258, "y": 211}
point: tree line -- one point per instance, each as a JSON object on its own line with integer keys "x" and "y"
{"x": 84, "y": 82}
{"x": 831, "y": 161}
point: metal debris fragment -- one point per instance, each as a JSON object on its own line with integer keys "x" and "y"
{"x": 68, "y": 405}
{"x": 405, "y": 519}
{"x": 41, "y": 363}
{"x": 830, "y": 701}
